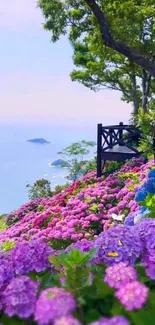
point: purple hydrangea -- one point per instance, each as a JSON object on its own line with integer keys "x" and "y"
{"x": 31, "y": 256}
{"x": 132, "y": 295}
{"x": 116, "y": 320}
{"x": 146, "y": 228}
{"x": 148, "y": 257}
{"x": 6, "y": 270}
{"x": 20, "y": 297}
{"x": 84, "y": 246}
{"x": 150, "y": 271}
{"x": 52, "y": 304}
{"x": 67, "y": 320}
{"x": 119, "y": 274}
{"x": 118, "y": 244}
{"x": 129, "y": 221}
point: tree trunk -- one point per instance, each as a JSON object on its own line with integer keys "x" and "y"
{"x": 146, "y": 84}
{"x": 134, "y": 91}
{"x": 133, "y": 54}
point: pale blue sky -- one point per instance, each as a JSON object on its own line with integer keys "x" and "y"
{"x": 34, "y": 75}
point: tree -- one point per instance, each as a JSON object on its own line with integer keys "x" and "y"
{"x": 110, "y": 24}
{"x": 100, "y": 70}
{"x": 41, "y": 188}
{"x": 75, "y": 162}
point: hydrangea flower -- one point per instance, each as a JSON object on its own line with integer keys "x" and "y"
{"x": 6, "y": 270}
{"x": 20, "y": 297}
{"x": 140, "y": 215}
{"x": 67, "y": 320}
{"x": 31, "y": 256}
{"x": 52, "y": 304}
{"x": 117, "y": 217}
{"x": 150, "y": 271}
{"x": 129, "y": 221}
{"x": 84, "y": 246}
{"x": 118, "y": 243}
{"x": 150, "y": 185}
{"x": 116, "y": 320}
{"x": 151, "y": 173}
{"x": 119, "y": 274}
{"x": 146, "y": 229}
{"x": 141, "y": 195}
{"x": 132, "y": 295}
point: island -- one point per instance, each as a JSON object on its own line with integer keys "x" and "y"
{"x": 38, "y": 140}
{"x": 59, "y": 163}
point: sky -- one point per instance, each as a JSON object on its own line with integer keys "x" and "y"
{"x": 35, "y": 85}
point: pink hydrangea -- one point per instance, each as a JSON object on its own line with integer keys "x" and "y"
{"x": 119, "y": 274}
{"x": 132, "y": 295}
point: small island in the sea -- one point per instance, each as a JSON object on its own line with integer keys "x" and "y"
{"x": 59, "y": 163}
{"x": 39, "y": 140}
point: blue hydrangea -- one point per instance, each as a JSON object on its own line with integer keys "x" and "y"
{"x": 141, "y": 195}
{"x": 150, "y": 185}
{"x": 144, "y": 209}
{"x": 151, "y": 173}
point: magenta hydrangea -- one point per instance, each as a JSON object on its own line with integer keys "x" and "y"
{"x": 74, "y": 216}
{"x": 132, "y": 295}
{"x": 119, "y": 274}
{"x": 20, "y": 297}
{"x": 67, "y": 320}
{"x": 116, "y": 320}
{"x": 52, "y": 304}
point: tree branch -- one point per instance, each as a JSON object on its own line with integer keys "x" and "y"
{"x": 133, "y": 54}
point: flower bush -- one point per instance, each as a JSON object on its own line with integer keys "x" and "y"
{"x": 84, "y": 256}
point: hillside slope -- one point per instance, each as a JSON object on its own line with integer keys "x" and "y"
{"x": 83, "y": 210}
{"x": 78, "y": 258}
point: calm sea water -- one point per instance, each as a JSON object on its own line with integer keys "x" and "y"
{"x": 22, "y": 162}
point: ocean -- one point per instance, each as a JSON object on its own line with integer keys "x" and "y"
{"x": 22, "y": 162}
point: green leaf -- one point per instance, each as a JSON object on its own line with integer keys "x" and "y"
{"x": 8, "y": 245}
{"x": 143, "y": 316}
{"x": 92, "y": 315}
{"x": 76, "y": 258}
{"x": 55, "y": 260}
{"x": 89, "y": 257}
{"x": 103, "y": 289}
{"x": 141, "y": 273}
{"x": 49, "y": 280}
{"x": 11, "y": 321}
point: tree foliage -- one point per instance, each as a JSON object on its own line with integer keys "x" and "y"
{"x": 41, "y": 188}
{"x": 146, "y": 124}
{"x": 75, "y": 162}
{"x": 115, "y": 24}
